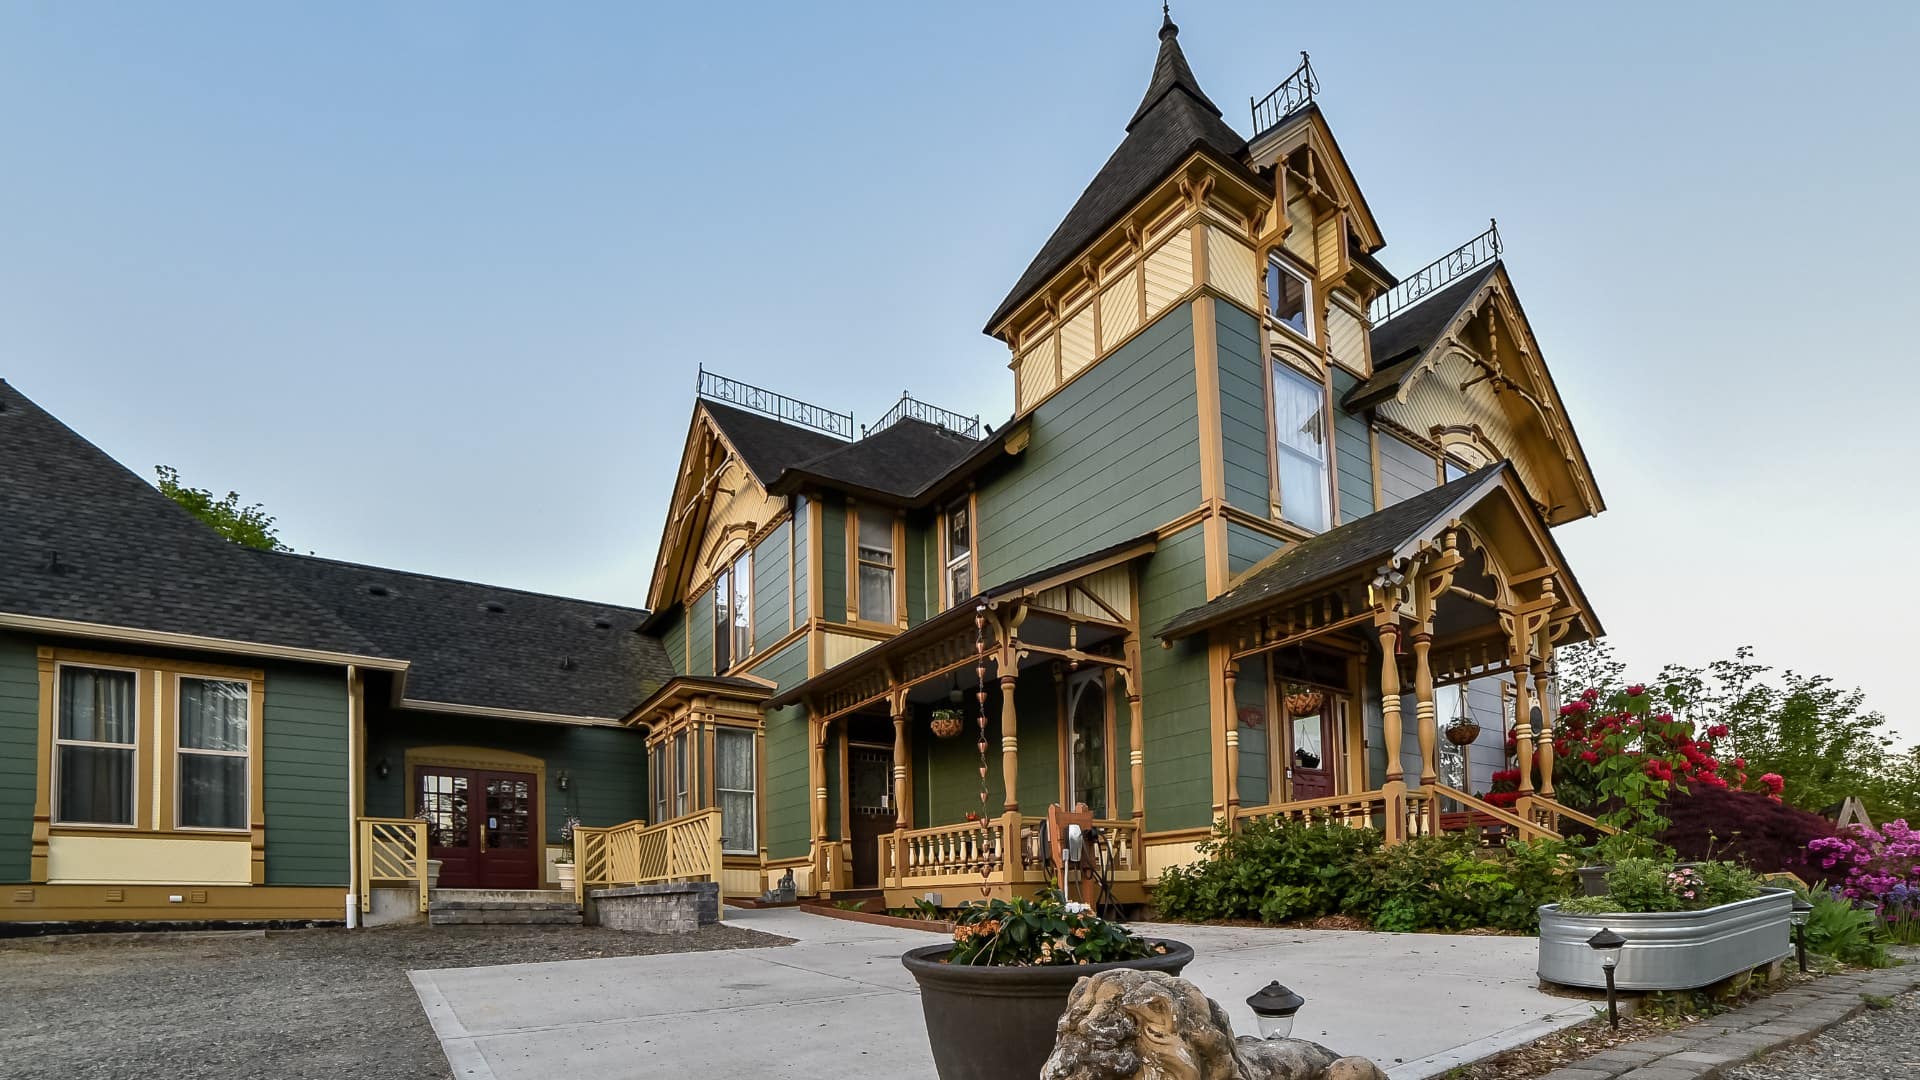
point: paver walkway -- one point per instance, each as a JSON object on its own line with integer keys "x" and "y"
{"x": 838, "y": 1003}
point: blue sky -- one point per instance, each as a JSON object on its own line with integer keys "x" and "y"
{"x": 432, "y": 280}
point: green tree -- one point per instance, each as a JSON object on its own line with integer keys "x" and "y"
{"x": 249, "y": 525}
{"x": 1821, "y": 739}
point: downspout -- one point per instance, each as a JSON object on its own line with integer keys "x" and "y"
{"x": 353, "y": 802}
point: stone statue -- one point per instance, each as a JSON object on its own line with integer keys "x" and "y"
{"x": 1146, "y": 1025}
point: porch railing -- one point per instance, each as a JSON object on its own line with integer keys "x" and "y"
{"x": 1397, "y": 813}
{"x": 1549, "y": 813}
{"x": 393, "y": 851}
{"x": 686, "y": 848}
{"x": 989, "y": 853}
{"x": 1525, "y": 828}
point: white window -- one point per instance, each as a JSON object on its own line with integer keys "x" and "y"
{"x": 94, "y": 747}
{"x": 733, "y": 784}
{"x": 662, "y": 782}
{"x": 213, "y": 753}
{"x": 959, "y": 553}
{"x": 1290, "y": 298}
{"x": 874, "y": 534}
{"x": 1300, "y": 447}
{"x": 680, "y": 806}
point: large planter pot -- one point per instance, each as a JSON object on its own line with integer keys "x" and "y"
{"x": 563, "y": 875}
{"x": 1593, "y": 880}
{"x": 433, "y": 873}
{"x": 992, "y": 1023}
{"x": 1669, "y": 950}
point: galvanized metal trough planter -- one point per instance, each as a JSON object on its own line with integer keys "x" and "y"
{"x": 1669, "y": 950}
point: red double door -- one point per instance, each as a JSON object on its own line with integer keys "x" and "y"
{"x": 482, "y": 825}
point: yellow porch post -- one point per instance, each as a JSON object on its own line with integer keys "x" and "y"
{"x": 1423, "y": 707}
{"x": 1546, "y": 727}
{"x": 817, "y": 773}
{"x": 1009, "y": 741}
{"x": 902, "y": 810}
{"x": 1231, "y": 717}
{"x": 1395, "y": 786}
{"x": 1136, "y": 735}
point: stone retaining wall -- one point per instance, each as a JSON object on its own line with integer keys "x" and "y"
{"x": 677, "y": 907}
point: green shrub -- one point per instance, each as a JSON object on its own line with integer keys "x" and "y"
{"x": 1728, "y": 883}
{"x": 1848, "y": 934}
{"x": 1272, "y": 870}
{"x": 1447, "y": 883}
{"x": 1657, "y": 885}
{"x": 1590, "y": 905}
{"x": 1641, "y": 885}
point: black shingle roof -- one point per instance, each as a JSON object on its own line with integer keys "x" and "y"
{"x": 1401, "y": 341}
{"x": 1175, "y": 118}
{"x": 900, "y": 461}
{"x": 84, "y": 539}
{"x": 482, "y": 645}
{"x": 1359, "y": 544}
{"x": 769, "y": 446}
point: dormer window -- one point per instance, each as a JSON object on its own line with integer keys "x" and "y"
{"x": 1289, "y": 297}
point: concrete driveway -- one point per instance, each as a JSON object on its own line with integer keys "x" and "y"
{"x": 838, "y": 1003}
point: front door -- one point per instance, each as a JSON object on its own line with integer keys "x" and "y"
{"x": 482, "y": 825}
{"x": 870, "y": 794}
{"x": 1310, "y": 764}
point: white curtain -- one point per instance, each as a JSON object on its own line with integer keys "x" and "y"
{"x": 1300, "y": 437}
{"x": 733, "y": 781}
{"x": 213, "y": 754}
{"x": 96, "y": 782}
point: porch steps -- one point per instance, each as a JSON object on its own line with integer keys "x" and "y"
{"x": 502, "y": 907}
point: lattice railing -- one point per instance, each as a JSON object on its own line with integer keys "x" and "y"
{"x": 686, "y": 848}
{"x": 392, "y": 851}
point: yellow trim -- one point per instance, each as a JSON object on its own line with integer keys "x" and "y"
{"x": 137, "y": 636}
{"x": 488, "y": 758}
{"x": 39, "y": 902}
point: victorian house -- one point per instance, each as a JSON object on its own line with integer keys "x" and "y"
{"x": 1269, "y": 532}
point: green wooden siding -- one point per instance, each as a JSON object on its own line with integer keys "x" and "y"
{"x": 303, "y": 762}
{"x": 1243, "y": 409}
{"x": 673, "y": 638}
{"x": 19, "y": 753}
{"x": 785, "y": 817}
{"x": 800, "y": 565}
{"x": 833, "y": 561}
{"x": 1036, "y": 699}
{"x": 700, "y": 635}
{"x": 606, "y": 767}
{"x": 1405, "y": 470}
{"x": 1354, "y": 454}
{"x": 1175, "y": 697}
{"x": 1113, "y": 455}
{"x": 946, "y": 772}
{"x": 919, "y": 540}
{"x": 772, "y": 605}
{"x": 1247, "y": 546}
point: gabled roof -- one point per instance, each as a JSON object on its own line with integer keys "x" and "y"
{"x": 1175, "y": 119}
{"x": 84, "y": 540}
{"x": 1399, "y": 343}
{"x": 768, "y": 446}
{"x": 489, "y": 647}
{"x": 897, "y": 463}
{"x": 1359, "y": 544}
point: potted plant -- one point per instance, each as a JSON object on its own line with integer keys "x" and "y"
{"x": 1685, "y": 927}
{"x": 1463, "y": 731}
{"x": 948, "y": 722}
{"x": 993, "y": 996}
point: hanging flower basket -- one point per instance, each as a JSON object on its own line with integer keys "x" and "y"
{"x": 947, "y": 723}
{"x": 1463, "y": 732}
{"x": 1306, "y": 703}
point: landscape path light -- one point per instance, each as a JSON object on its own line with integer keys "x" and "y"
{"x": 1608, "y": 944}
{"x": 1274, "y": 1007}
{"x": 1802, "y": 910}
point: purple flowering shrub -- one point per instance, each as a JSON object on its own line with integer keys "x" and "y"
{"x": 1875, "y": 869}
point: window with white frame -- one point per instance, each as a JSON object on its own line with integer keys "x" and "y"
{"x": 213, "y": 718}
{"x": 1300, "y": 447}
{"x": 95, "y": 743}
{"x": 1290, "y": 298}
{"x": 733, "y": 614}
{"x": 959, "y": 553}
{"x": 874, "y": 540}
{"x": 734, "y": 787}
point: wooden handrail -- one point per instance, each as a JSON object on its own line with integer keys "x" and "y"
{"x": 391, "y": 850}
{"x": 1554, "y": 806}
{"x": 686, "y": 848}
{"x": 1480, "y": 806}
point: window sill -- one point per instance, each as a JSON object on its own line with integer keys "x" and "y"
{"x": 149, "y": 834}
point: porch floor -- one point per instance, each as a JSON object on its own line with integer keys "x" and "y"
{"x": 837, "y": 1002}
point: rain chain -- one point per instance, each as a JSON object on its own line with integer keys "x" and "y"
{"x": 985, "y": 844}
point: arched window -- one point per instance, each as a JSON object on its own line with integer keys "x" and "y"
{"x": 1087, "y": 743}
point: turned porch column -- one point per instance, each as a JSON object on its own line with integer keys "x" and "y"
{"x": 1390, "y": 700}
{"x": 902, "y": 810}
{"x": 1136, "y": 734}
{"x": 1423, "y": 708}
{"x": 1545, "y": 699}
{"x": 817, "y": 773}
{"x": 1523, "y": 728}
{"x": 1009, "y": 743}
{"x": 1232, "y": 720}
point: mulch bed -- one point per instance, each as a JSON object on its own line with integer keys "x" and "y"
{"x": 289, "y": 1004}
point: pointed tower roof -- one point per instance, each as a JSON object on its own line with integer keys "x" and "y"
{"x": 1170, "y": 72}
{"x": 1175, "y": 118}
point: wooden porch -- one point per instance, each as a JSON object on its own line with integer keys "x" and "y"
{"x": 1000, "y": 857}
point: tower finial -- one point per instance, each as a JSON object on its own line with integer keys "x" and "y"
{"x": 1167, "y": 28}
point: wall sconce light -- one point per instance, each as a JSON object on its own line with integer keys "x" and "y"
{"x": 382, "y": 767}
{"x": 560, "y": 781}
{"x": 1608, "y": 944}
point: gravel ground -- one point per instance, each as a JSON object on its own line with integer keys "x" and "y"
{"x": 1876, "y": 1045}
{"x": 294, "y": 1004}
